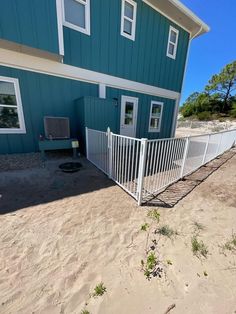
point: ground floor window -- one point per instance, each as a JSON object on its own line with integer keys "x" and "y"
{"x": 155, "y": 116}
{"x": 11, "y": 112}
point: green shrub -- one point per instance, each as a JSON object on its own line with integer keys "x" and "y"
{"x": 204, "y": 116}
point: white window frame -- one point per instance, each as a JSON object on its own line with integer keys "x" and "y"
{"x": 133, "y": 21}
{"x": 150, "y": 129}
{"x": 21, "y": 129}
{"x": 85, "y": 30}
{"x": 170, "y": 42}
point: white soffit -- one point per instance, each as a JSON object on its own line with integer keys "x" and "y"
{"x": 181, "y": 15}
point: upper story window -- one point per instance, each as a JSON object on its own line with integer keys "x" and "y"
{"x": 11, "y": 113}
{"x": 76, "y": 15}
{"x": 128, "y": 18}
{"x": 172, "y": 42}
{"x": 155, "y": 116}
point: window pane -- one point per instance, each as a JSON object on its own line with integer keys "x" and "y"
{"x": 9, "y": 118}
{"x": 75, "y": 13}
{"x": 173, "y": 37}
{"x": 127, "y": 27}
{"x": 171, "y": 49}
{"x": 129, "y": 111}
{"x": 154, "y": 123}
{"x": 7, "y": 94}
{"x": 129, "y": 10}
{"x": 156, "y": 110}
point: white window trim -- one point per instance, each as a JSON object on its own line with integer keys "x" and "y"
{"x": 134, "y": 4}
{"x": 170, "y": 42}
{"x": 85, "y": 30}
{"x": 21, "y": 129}
{"x": 154, "y": 130}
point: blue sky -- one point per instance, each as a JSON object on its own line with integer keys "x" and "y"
{"x": 210, "y": 52}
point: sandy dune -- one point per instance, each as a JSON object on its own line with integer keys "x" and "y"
{"x": 53, "y": 253}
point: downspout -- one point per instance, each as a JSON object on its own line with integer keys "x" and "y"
{"x": 175, "y": 117}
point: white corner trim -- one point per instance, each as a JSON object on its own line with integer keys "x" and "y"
{"x": 177, "y": 102}
{"x": 60, "y": 27}
{"x": 85, "y": 30}
{"x": 21, "y": 129}
{"x": 102, "y": 91}
{"x": 22, "y": 61}
{"x": 153, "y": 130}
{"x": 133, "y": 21}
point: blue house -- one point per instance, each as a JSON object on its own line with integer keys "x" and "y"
{"x": 101, "y": 63}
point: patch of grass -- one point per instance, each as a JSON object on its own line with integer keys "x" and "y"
{"x": 84, "y": 312}
{"x": 199, "y": 248}
{"x": 99, "y": 290}
{"x": 154, "y": 215}
{"x": 198, "y": 225}
{"x": 144, "y": 227}
{"x": 230, "y": 245}
{"x": 167, "y": 231}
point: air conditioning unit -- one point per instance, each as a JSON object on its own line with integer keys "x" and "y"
{"x": 56, "y": 128}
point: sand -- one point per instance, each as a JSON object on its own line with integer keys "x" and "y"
{"x": 60, "y": 235}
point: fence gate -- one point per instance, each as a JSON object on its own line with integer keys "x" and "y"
{"x": 143, "y": 168}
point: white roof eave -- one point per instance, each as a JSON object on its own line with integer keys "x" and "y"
{"x": 181, "y": 15}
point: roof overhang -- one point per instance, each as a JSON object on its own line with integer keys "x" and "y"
{"x": 181, "y": 15}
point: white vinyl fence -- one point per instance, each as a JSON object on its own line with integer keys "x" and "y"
{"x": 143, "y": 168}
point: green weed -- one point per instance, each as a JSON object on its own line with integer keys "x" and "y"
{"x": 154, "y": 215}
{"x": 144, "y": 227}
{"x": 99, "y": 290}
{"x": 199, "y": 248}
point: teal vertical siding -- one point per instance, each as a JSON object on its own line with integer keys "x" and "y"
{"x": 95, "y": 113}
{"x": 144, "y": 106}
{"x": 143, "y": 60}
{"x": 42, "y": 95}
{"x": 30, "y": 22}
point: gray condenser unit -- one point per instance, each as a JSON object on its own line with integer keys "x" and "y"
{"x": 56, "y": 128}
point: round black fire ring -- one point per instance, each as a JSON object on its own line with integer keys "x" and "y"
{"x": 70, "y": 167}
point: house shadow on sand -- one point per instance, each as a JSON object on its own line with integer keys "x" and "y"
{"x": 30, "y": 187}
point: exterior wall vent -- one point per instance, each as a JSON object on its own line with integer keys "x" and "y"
{"x": 56, "y": 128}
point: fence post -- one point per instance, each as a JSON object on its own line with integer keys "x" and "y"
{"x": 141, "y": 170}
{"x": 109, "y": 146}
{"x": 218, "y": 148}
{"x": 184, "y": 157}
{"x": 87, "y": 144}
{"x": 206, "y": 149}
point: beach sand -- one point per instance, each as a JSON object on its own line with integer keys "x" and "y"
{"x": 62, "y": 234}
